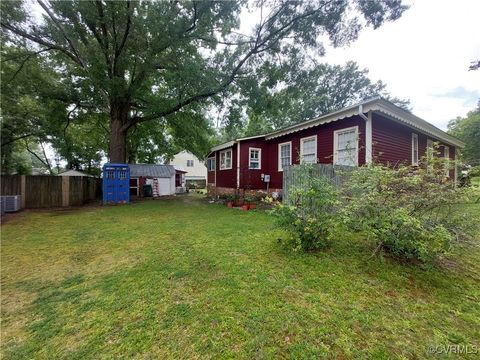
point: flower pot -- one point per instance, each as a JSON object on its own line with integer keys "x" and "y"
{"x": 252, "y": 206}
{"x": 245, "y": 207}
{"x": 230, "y": 204}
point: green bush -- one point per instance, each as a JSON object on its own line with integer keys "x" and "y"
{"x": 312, "y": 215}
{"x": 407, "y": 211}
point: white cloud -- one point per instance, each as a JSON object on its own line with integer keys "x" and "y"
{"x": 424, "y": 56}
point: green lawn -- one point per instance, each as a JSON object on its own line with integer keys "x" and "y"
{"x": 186, "y": 279}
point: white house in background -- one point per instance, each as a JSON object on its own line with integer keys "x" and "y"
{"x": 196, "y": 171}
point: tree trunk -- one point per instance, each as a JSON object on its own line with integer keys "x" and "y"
{"x": 118, "y": 136}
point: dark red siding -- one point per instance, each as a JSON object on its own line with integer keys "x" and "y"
{"x": 251, "y": 178}
{"x": 211, "y": 174}
{"x": 324, "y": 145}
{"x": 392, "y": 142}
{"x": 227, "y": 178}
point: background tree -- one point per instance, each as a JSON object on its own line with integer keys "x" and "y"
{"x": 271, "y": 98}
{"x": 467, "y": 129}
{"x": 145, "y": 61}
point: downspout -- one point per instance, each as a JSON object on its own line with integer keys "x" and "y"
{"x": 238, "y": 165}
{"x": 368, "y": 134}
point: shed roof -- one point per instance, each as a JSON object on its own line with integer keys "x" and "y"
{"x": 151, "y": 170}
{"x": 73, "y": 173}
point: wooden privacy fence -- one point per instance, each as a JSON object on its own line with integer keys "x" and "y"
{"x": 44, "y": 191}
{"x": 299, "y": 176}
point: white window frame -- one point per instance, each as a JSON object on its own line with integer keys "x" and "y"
{"x": 259, "y": 158}
{"x": 302, "y": 141}
{"x": 192, "y": 163}
{"x": 446, "y": 155}
{"x": 210, "y": 159}
{"x": 280, "y": 168}
{"x": 335, "y": 143}
{"x": 414, "y": 147}
{"x": 231, "y": 159}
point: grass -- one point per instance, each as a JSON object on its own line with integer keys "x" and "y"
{"x": 185, "y": 279}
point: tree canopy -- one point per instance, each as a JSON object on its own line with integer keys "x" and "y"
{"x": 123, "y": 69}
{"x": 467, "y": 129}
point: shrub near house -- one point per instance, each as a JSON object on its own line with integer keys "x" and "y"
{"x": 407, "y": 211}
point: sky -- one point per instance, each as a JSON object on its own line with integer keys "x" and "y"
{"x": 424, "y": 57}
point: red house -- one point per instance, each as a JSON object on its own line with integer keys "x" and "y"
{"x": 374, "y": 130}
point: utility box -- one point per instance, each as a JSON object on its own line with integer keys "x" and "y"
{"x": 11, "y": 203}
{"x": 116, "y": 184}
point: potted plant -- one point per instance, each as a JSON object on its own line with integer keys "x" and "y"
{"x": 238, "y": 201}
{"x": 229, "y": 200}
{"x": 250, "y": 200}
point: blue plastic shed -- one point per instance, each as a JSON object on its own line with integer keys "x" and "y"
{"x": 116, "y": 184}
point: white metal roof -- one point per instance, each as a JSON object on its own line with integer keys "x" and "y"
{"x": 151, "y": 170}
{"x": 378, "y": 105}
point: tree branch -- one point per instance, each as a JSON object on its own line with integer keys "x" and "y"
{"x": 16, "y": 139}
{"x": 46, "y": 163}
{"x": 126, "y": 33}
{"x": 62, "y": 30}
{"x": 40, "y": 41}
{"x": 28, "y": 57}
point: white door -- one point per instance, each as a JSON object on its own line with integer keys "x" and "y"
{"x": 164, "y": 186}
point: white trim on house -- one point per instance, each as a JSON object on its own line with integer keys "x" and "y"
{"x": 446, "y": 155}
{"x": 233, "y": 142}
{"x": 250, "y": 137}
{"x": 238, "y": 165}
{"x": 456, "y": 166}
{"x": 302, "y": 140}
{"x": 250, "y": 158}
{"x": 335, "y": 142}
{"x": 223, "y": 146}
{"x": 280, "y": 168}
{"x": 373, "y": 105}
{"x": 231, "y": 159}
{"x": 414, "y": 148}
{"x": 368, "y": 140}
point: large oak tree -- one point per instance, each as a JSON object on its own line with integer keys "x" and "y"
{"x": 163, "y": 61}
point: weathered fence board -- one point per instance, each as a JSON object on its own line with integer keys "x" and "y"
{"x": 10, "y": 185}
{"x": 298, "y": 176}
{"x": 52, "y": 191}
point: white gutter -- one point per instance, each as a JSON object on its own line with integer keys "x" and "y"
{"x": 368, "y": 134}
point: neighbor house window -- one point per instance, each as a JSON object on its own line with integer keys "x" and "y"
{"x": 189, "y": 163}
{"x": 255, "y": 158}
{"x": 446, "y": 155}
{"x": 308, "y": 150}
{"x": 211, "y": 164}
{"x": 284, "y": 155}
{"x": 225, "y": 159}
{"x": 345, "y": 146}
{"x": 414, "y": 149}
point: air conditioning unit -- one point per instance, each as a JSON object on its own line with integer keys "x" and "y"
{"x": 11, "y": 203}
